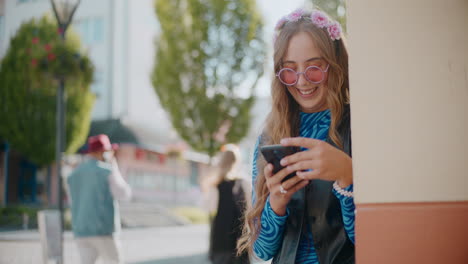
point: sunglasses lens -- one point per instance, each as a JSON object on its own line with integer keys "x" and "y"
{"x": 288, "y": 76}
{"x": 314, "y": 74}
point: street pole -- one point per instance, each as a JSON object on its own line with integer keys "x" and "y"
{"x": 64, "y": 11}
{"x": 59, "y": 147}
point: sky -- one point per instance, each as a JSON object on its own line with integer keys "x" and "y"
{"x": 272, "y": 11}
{"x": 143, "y": 30}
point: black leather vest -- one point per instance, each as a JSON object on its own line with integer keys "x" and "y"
{"x": 316, "y": 206}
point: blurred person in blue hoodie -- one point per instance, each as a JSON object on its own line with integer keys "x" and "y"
{"x": 94, "y": 188}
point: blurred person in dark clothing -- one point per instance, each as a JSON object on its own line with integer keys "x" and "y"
{"x": 94, "y": 187}
{"x": 226, "y": 226}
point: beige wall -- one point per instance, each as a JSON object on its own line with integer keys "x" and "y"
{"x": 409, "y": 99}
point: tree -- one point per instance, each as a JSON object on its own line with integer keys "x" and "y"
{"x": 28, "y": 78}
{"x": 208, "y": 52}
{"x": 335, "y": 8}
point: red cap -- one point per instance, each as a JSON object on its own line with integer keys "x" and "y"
{"x": 100, "y": 143}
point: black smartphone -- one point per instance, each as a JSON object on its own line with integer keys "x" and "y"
{"x": 274, "y": 153}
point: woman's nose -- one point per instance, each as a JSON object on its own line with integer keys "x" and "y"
{"x": 302, "y": 79}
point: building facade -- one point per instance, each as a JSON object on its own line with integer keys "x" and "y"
{"x": 96, "y": 22}
{"x": 118, "y": 36}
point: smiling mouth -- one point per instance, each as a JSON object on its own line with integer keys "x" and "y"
{"x": 307, "y": 92}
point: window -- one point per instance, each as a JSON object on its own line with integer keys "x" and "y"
{"x": 98, "y": 85}
{"x": 26, "y": 1}
{"x": 97, "y": 29}
{"x": 91, "y": 30}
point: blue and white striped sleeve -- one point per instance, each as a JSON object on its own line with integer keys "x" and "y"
{"x": 348, "y": 211}
{"x": 271, "y": 233}
{"x": 272, "y": 225}
{"x": 254, "y": 169}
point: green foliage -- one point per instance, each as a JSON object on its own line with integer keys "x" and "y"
{"x": 14, "y": 217}
{"x": 208, "y": 51}
{"x": 28, "y": 78}
{"x": 335, "y": 8}
{"x": 194, "y": 215}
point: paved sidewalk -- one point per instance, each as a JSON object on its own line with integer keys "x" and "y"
{"x": 157, "y": 245}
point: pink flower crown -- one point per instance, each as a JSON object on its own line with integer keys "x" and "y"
{"x": 318, "y": 18}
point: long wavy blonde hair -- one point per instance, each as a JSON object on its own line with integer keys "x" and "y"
{"x": 225, "y": 168}
{"x": 284, "y": 119}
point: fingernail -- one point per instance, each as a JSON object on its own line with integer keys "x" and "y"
{"x": 284, "y": 141}
{"x": 299, "y": 174}
{"x": 283, "y": 162}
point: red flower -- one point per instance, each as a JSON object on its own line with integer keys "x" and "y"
{"x": 35, "y": 40}
{"x": 50, "y": 56}
{"x": 47, "y": 47}
{"x": 34, "y": 62}
{"x": 60, "y": 31}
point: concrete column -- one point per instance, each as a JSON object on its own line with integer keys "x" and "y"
{"x": 409, "y": 104}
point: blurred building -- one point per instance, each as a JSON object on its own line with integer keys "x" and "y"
{"x": 96, "y": 22}
{"x": 118, "y": 35}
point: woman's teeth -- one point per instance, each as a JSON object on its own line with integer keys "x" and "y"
{"x": 306, "y": 92}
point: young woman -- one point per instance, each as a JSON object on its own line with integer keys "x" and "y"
{"x": 226, "y": 226}
{"x": 310, "y": 217}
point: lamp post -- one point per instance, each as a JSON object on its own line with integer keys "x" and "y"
{"x": 64, "y": 11}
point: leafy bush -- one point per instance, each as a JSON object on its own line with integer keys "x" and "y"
{"x": 194, "y": 214}
{"x": 29, "y": 73}
{"x": 209, "y": 57}
{"x": 13, "y": 217}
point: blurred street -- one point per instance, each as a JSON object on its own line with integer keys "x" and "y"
{"x": 153, "y": 245}
{"x": 141, "y": 214}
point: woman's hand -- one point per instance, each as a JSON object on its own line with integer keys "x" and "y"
{"x": 320, "y": 161}
{"x": 278, "y": 199}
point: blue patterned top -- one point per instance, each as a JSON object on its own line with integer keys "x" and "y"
{"x": 313, "y": 125}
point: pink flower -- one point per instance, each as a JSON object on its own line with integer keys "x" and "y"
{"x": 35, "y": 40}
{"x": 34, "y": 62}
{"x": 319, "y": 19}
{"x": 50, "y": 56}
{"x": 296, "y": 15}
{"x": 280, "y": 23}
{"x": 47, "y": 47}
{"x": 334, "y": 30}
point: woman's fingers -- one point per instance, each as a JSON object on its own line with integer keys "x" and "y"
{"x": 308, "y": 175}
{"x": 298, "y": 186}
{"x": 275, "y": 178}
{"x": 291, "y": 182}
{"x": 289, "y": 187}
{"x": 310, "y": 154}
{"x": 305, "y": 165}
{"x": 301, "y": 142}
{"x": 298, "y": 156}
{"x": 268, "y": 170}
{"x": 282, "y": 189}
